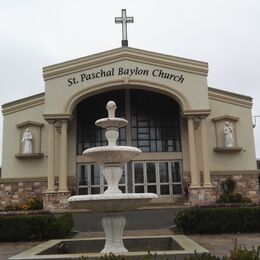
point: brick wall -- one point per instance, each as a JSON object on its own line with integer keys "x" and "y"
{"x": 16, "y": 191}
{"x": 246, "y": 184}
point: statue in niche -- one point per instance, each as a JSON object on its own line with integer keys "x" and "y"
{"x": 27, "y": 141}
{"x": 228, "y": 131}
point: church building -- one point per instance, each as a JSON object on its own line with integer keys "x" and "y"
{"x": 192, "y": 136}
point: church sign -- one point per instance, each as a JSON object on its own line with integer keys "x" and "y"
{"x": 127, "y": 72}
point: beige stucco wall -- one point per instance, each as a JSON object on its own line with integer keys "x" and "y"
{"x": 192, "y": 90}
{"x": 72, "y": 81}
{"x": 236, "y": 161}
{"x": 23, "y": 168}
{"x": 72, "y": 145}
{"x": 185, "y": 147}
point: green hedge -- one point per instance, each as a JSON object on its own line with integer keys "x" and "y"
{"x": 34, "y": 227}
{"x": 218, "y": 220}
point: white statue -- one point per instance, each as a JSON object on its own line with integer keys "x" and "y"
{"x": 228, "y": 131}
{"x": 27, "y": 141}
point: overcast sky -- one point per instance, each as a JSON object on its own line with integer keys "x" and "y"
{"x": 224, "y": 33}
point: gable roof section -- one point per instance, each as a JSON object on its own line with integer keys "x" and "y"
{"x": 23, "y": 103}
{"x": 125, "y": 53}
{"x": 230, "y": 97}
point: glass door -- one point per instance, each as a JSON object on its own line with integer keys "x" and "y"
{"x": 138, "y": 178}
{"x": 161, "y": 177}
{"x": 151, "y": 182}
{"x": 91, "y": 180}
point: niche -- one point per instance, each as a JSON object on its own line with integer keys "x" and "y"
{"x": 29, "y": 140}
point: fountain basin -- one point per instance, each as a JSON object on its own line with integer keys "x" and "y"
{"x": 116, "y": 202}
{"x": 167, "y": 247}
{"x": 112, "y": 154}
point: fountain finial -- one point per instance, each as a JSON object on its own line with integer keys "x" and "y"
{"x": 111, "y": 108}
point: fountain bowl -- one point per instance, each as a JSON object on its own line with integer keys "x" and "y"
{"x": 112, "y": 154}
{"x": 115, "y": 122}
{"x": 113, "y": 202}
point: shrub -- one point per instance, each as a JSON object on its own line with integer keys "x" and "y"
{"x": 12, "y": 207}
{"x": 229, "y": 195}
{"x": 218, "y": 220}
{"x": 239, "y": 253}
{"x": 228, "y": 186}
{"x": 62, "y": 226}
{"x": 33, "y": 203}
{"x": 111, "y": 256}
{"x": 204, "y": 256}
{"x": 233, "y": 198}
{"x": 34, "y": 227}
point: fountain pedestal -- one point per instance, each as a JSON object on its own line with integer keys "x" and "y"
{"x": 114, "y": 228}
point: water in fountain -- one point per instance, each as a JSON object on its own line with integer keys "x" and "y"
{"x": 113, "y": 200}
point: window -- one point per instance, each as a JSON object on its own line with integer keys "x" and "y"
{"x": 163, "y": 177}
{"x": 155, "y": 124}
{"x": 153, "y": 119}
{"x": 91, "y": 180}
{"x": 92, "y": 109}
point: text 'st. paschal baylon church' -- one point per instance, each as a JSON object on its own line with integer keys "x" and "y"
{"x": 192, "y": 136}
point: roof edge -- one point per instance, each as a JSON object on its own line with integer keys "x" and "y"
{"x": 234, "y": 94}
{"x": 230, "y": 97}
{"x": 179, "y": 63}
{"x": 23, "y": 103}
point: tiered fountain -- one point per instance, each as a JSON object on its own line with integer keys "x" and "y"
{"x": 113, "y": 200}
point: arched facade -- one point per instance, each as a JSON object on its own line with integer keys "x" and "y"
{"x": 145, "y": 85}
{"x": 154, "y": 127}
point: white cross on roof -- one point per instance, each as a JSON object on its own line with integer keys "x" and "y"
{"x": 124, "y": 20}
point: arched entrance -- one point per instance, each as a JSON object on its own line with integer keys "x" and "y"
{"x": 154, "y": 127}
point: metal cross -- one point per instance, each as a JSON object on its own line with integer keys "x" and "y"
{"x": 124, "y": 20}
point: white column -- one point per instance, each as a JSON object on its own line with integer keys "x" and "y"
{"x": 63, "y": 187}
{"x": 195, "y": 178}
{"x": 205, "y": 158}
{"x": 51, "y": 157}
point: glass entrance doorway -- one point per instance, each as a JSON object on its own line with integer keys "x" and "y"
{"x": 161, "y": 177}
{"x": 91, "y": 180}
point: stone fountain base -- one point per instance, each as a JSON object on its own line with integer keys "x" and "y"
{"x": 168, "y": 247}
